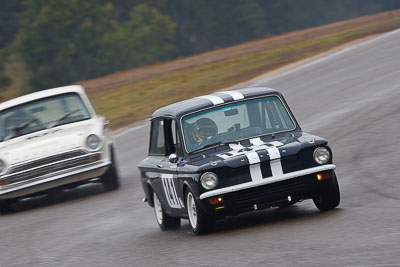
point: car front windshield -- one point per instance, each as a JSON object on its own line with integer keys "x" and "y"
{"x": 236, "y": 121}
{"x": 41, "y": 114}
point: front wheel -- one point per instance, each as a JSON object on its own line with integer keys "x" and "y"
{"x": 329, "y": 198}
{"x": 5, "y": 206}
{"x": 200, "y": 222}
{"x": 164, "y": 221}
{"x": 110, "y": 179}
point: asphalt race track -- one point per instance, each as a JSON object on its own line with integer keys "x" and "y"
{"x": 351, "y": 98}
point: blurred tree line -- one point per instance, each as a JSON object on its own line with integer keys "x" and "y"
{"x": 63, "y": 41}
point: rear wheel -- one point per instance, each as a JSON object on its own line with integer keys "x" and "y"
{"x": 110, "y": 179}
{"x": 164, "y": 221}
{"x": 329, "y": 198}
{"x": 200, "y": 222}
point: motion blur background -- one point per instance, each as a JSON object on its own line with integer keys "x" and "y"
{"x": 45, "y": 44}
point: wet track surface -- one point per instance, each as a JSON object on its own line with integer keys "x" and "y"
{"x": 352, "y": 99}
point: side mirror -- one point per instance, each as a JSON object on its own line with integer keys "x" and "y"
{"x": 173, "y": 158}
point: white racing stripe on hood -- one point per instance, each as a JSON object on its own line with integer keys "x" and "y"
{"x": 254, "y": 159}
{"x": 233, "y": 153}
{"x": 213, "y": 98}
{"x": 276, "y": 143}
{"x": 274, "y": 154}
{"x": 236, "y": 147}
{"x": 255, "y": 167}
{"x": 258, "y": 142}
{"x": 235, "y": 95}
{"x": 276, "y": 167}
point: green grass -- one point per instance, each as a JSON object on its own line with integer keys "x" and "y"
{"x": 137, "y": 101}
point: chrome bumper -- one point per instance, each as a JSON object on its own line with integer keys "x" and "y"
{"x": 37, "y": 184}
{"x": 268, "y": 180}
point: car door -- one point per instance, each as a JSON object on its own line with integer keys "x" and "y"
{"x": 167, "y": 185}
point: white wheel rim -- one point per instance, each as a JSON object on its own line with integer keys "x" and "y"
{"x": 191, "y": 208}
{"x": 158, "y": 209}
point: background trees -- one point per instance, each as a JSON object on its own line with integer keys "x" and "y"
{"x": 66, "y": 41}
{"x": 146, "y": 37}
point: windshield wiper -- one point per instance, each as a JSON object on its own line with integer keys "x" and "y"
{"x": 19, "y": 128}
{"x": 61, "y": 118}
{"x": 218, "y": 144}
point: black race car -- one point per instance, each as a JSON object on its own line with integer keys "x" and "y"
{"x": 231, "y": 152}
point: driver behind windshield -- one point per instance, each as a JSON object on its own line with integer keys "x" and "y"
{"x": 205, "y": 132}
{"x": 15, "y": 123}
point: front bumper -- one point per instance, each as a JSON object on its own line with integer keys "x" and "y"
{"x": 268, "y": 191}
{"x": 73, "y": 175}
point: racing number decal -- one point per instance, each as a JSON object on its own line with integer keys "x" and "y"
{"x": 170, "y": 191}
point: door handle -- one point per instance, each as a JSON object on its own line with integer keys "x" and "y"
{"x": 159, "y": 165}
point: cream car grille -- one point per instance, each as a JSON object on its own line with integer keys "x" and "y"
{"x": 50, "y": 165}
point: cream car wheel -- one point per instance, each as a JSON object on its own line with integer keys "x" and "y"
{"x": 158, "y": 209}
{"x": 192, "y": 211}
{"x": 200, "y": 221}
{"x": 165, "y": 221}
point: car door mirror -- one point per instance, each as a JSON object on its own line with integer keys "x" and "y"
{"x": 173, "y": 158}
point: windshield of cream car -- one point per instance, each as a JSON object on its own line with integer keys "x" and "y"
{"x": 237, "y": 121}
{"x": 41, "y": 114}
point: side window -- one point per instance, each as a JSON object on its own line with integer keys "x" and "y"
{"x": 177, "y": 143}
{"x": 157, "y": 140}
{"x": 172, "y": 142}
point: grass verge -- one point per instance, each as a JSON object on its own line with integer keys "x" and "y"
{"x": 137, "y": 101}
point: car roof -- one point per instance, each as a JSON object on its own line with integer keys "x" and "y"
{"x": 42, "y": 94}
{"x": 218, "y": 98}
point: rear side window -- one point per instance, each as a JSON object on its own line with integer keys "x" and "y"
{"x": 157, "y": 140}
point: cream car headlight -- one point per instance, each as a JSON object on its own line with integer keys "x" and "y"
{"x": 3, "y": 167}
{"x": 209, "y": 180}
{"x": 93, "y": 141}
{"x": 322, "y": 155}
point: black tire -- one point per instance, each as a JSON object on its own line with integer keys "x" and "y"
{"x": 164, "y": 221}
{"x": 200, "y": 222}
{"x": 5, "y": 206}
{"x": 328, "y": 198}
{"x": 54, "y": 195}
{"x": 110, "y": 179}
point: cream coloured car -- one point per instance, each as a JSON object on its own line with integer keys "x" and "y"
{"x": 52, "y": 139}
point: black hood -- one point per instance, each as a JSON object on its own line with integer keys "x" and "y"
{"x": 236, "y": 155}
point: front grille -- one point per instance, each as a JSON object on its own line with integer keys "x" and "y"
{"x": 47, "y": 160}
{"x": 50, "y": 165}
{"x": 233, "y": 176}
{"x": 274, "y": 191}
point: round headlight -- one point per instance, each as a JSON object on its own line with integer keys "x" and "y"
{"x": 322, "y": 155}
{"x": 93, "y": 141}
{"x": 2, "y": 167}
{"x": 209, "y": 180}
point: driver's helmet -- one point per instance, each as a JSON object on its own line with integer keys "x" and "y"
{"x": 204, "y": 128}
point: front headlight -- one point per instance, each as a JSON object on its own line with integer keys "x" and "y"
{"x": 209, "y": 180}
{"x": 321, "y": 155}
{"x": 3, "y": 167}
{"x": 93, "y": 141}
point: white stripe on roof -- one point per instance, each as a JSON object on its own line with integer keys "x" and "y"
{"x": 235, "y": 95}
{"x": 213, "y": 98}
